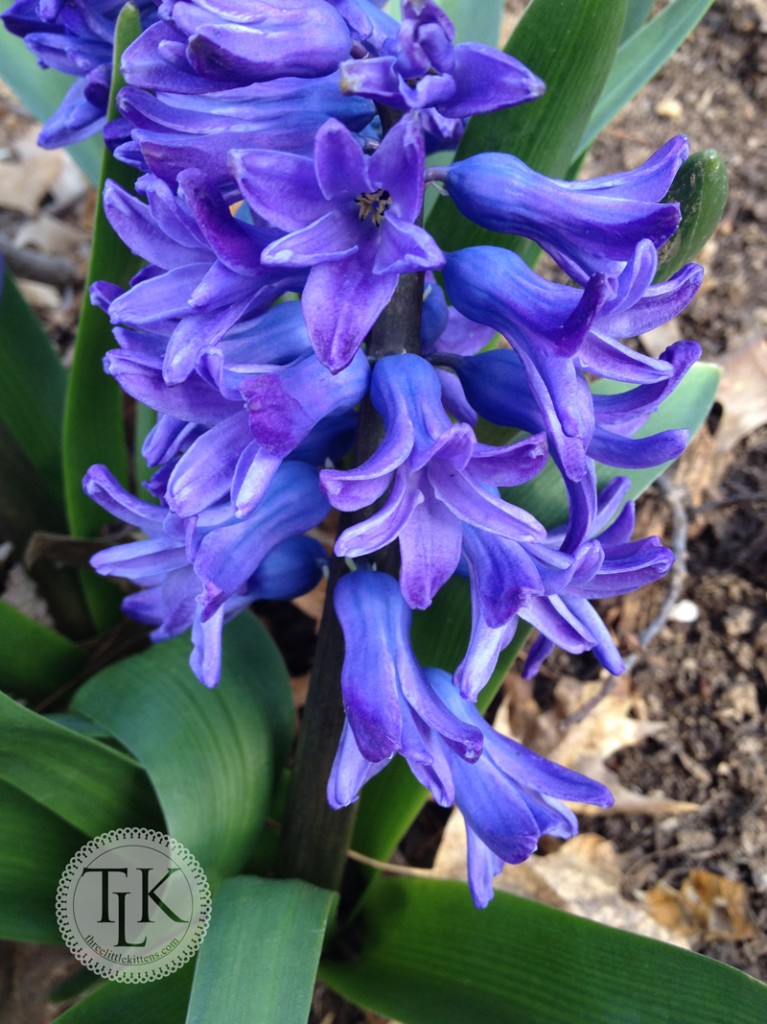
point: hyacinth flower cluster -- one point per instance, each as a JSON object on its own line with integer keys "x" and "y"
{"x": 281, "y": 151}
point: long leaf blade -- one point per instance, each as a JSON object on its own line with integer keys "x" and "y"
{"x": 519, "y": 962}
{"x": 89, "y": 785}
{"x": 35, "y": 847}
{"x": 92, "y": 396}
{"x": 475, "y": 23}
{"x": 161, "y": 1002}
{"x": 640, "y": 57}
{"x": 36, "y": 660}
{"x": 284, "y": 921}
{"x": 210, "y": 754}
{"x": 32, "y": 387}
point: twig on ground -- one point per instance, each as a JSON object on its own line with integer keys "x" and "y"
{"x": 37, "y": 266}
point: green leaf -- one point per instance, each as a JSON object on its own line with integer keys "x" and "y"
{"x": 700, "y": 187}
{"x": 428, "y": 957}
{"x": 210, "y": 754}
{"x": 160, "y": 1002}
{"x": 571, "y": 47}
{"x": 687, "y": 407}
{"x": 25, "y": 501}
{"x": 79, "y": 724}
{"x": 35, "y": 847}
{"x": 640, "y": 57}
{"x": 41, "y": 91}
{"x": 89, "y": 785}
{"x": 32, "y": 386}
{"x": 637, "y": 13}
{"x": 36, "y": 660}
{"x": 259, "y": 959}
{"x": 475, "y": 23}
{"x": 92, "y": 396}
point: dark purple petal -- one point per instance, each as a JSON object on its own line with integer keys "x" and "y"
{"x": 280, "y": 187}
{"x": 340, "y": 166}
{"x": 404, "y": 248}
{"x": 384, "y": 526}
{"x": 374, "y": 625}
{"x": 341, "y": 302}
{"x": 203, "y": 475}
{"x": 331, "y": 238}
{"x": 430, "y": 547}
{"x": 487, "y": 80}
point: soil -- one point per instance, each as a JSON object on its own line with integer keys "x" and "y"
{"x": 704, "y": 675}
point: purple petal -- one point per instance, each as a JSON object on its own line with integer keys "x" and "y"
{"x": 281, "y": 187}
{"x": 341, "y": 302}
{"x": 332, "y": 237}
{"x": 488, "y": 80}
{"x": 430, "y": 545}
{"x": 397, "y": 165}
{"x": 340, "y": 165}
{"x": 403, "y": 248}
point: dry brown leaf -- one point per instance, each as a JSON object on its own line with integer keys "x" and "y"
{"x": 742, "y": 392}
{"x": 21, "y": 592}
{"x": 582, "y": 877}
{"x": 23, "y": 185}
{"x": 619, "y": 720}
{"x": 40, "y": 296}
{"x": 707, "y": 906}
{"x": 588, "y": 744}
{"x": 51, "y": 235}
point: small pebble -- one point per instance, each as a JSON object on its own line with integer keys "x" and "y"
{"x": 669, "y": 108}
{"x": 685, "y": 611}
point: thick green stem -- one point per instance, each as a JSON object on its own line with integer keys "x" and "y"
{"x": 315, "y": 838}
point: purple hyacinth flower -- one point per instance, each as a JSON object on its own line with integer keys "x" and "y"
{"x": 627, "y": 566}
{"x": 423, "y": 69}
{"x": 560, "y": 333}
{"x": 76, "y": 38}
{"x": 205, "y": 273}
{"x": 278, "y": 408}
{"x": 441, "y": 477}
{"x": 200, "y": 573}
{"x": 546, "y": 323}
{"x": 509, "y": 796}
{"x": 610, "y": 564}
{"x": 166, "y": 132}
{"x": 586, "y": 226}
{"x": 350, "y": 219}
{"x": 206, "y": 45}
{"x": 381, "y": 681}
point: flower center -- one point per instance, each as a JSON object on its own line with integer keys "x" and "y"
{"x": 373, "y": 205}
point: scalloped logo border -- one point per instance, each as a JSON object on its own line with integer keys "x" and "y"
{"x": 133, "y": 973}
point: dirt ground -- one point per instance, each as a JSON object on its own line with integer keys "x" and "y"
{"x": 702, "y": 681}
